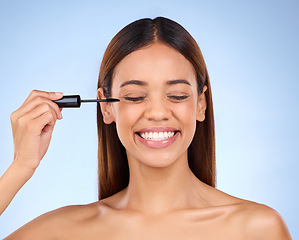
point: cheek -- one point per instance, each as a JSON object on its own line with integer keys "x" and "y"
{"x": 186, "y": 115}
{"x": 185, "y": 112}
{"x": 128, "y": 112}
{"x": 126, "y": 116}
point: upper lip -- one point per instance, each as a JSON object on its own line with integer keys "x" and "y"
{"x": 157, "y": 129}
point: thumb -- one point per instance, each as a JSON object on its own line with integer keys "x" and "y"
{"x": 55, "y": 95}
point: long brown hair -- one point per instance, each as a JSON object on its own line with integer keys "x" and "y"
{"x": 113, "y": 167}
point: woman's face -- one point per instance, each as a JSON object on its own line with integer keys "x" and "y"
{"x": 156, "y": 117}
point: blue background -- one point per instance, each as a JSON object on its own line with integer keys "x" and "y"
{"x": 251, "y": 50}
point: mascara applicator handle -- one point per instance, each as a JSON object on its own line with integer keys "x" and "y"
{"x": 69, "y": 101}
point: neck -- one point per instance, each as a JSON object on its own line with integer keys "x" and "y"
{"x": 154, "y": 190}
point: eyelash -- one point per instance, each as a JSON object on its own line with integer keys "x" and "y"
{"x": 137, "y": 99}
{"x": 179, "y": 98}
{"x": 134, "y": 99}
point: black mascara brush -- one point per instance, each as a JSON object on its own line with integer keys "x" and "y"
{"x": 74, "y": 101}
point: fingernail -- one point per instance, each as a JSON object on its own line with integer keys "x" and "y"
{"x": 58, "y": 93}
{"x": 60, "y": 116}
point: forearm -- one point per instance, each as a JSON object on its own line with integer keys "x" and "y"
{"x": 11, "y": 182}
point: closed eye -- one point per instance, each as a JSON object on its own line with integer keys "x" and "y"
{"x": 172, "y": 97}
{"x": 178, "y": 98}
{"x": 134, "y": 99}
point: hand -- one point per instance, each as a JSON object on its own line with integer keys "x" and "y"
{"x": 32, "y": 127}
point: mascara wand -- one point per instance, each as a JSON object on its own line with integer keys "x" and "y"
{"x": 74, "y": 101}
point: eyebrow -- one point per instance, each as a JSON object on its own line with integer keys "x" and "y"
{"x": 178, "y": 81}
{"x": 134, "y": 82}
{"x": 142, "y": 83}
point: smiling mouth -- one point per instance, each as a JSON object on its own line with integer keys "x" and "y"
{"x": 156, "y": 136}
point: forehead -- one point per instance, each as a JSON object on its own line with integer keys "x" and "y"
{"x": 155, "y": 62}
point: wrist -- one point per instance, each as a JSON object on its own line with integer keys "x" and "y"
{"x": 22, "y": 170}
{"x": 11, "y": 182}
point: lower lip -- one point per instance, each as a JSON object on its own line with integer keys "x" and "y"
{"x": 158, "y": 144}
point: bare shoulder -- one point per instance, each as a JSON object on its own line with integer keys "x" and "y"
{"x": 57, "y": 223}
{"x": 259, "y": 221}
{"x": 256, "y": 221}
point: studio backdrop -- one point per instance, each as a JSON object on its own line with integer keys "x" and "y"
{"x": 251, "y": 50}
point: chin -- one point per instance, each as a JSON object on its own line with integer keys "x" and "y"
{"x": 160, "y": 160}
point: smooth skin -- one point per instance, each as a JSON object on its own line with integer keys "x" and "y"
{"x": 32, "y": 127}
{"x": 164, "y": 200}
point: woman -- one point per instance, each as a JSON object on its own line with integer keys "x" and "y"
{"x": 156, "y": 149}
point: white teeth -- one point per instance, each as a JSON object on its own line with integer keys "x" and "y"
{"x": 157, "y": 136}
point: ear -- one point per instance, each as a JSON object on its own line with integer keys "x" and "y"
{"x": 106, "y": 108}
{"x": 201, "y": 105}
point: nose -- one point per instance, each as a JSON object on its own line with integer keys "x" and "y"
{"x": 157, "y": 110}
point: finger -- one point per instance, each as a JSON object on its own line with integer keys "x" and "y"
{"x": 44, "y": 122}
{"x": 40, "y": 110}
{"x": 47, "y": 128}
{"x": 26, "y": 121}
{"x": 28, "y": 124}
{"x": 34, "y": 103}
{"x": 49, "y": 95}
